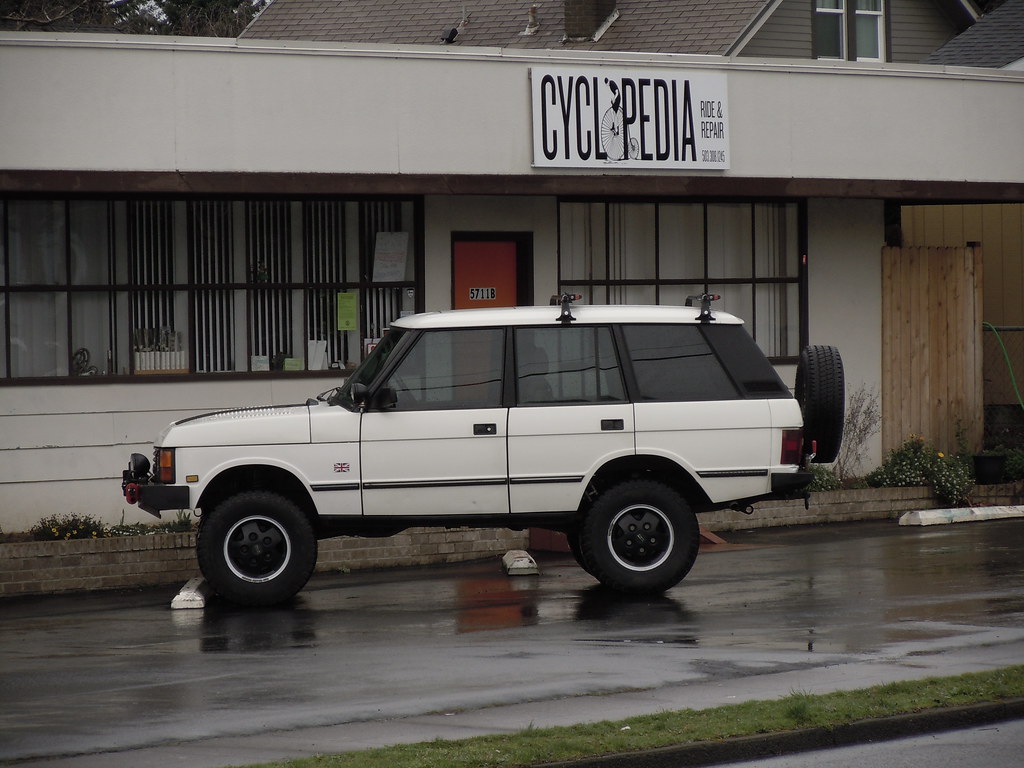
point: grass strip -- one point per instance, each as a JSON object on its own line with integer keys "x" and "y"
{"x": 795, "y": 711}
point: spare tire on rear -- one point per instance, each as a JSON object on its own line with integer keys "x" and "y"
{"x": 821, "y": 392}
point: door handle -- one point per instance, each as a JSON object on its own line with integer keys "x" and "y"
{"x": 609, "y": 425}
{"x": 485, "y": 429}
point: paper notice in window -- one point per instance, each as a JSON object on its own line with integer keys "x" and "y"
{"x": 389, "y": 257}
{"x": 348, "y": 311}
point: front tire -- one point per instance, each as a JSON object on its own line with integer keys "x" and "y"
{"x": 640, "y": 537}
{"x": 256, "y": 548}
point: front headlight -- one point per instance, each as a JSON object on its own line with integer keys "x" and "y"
{"x": 163, "y": 459}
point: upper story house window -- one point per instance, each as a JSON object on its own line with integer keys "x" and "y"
{"x": 850, "y": 29}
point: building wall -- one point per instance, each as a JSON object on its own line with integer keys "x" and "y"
{"x": 151, "y": 105}
{"x": 845, "y": 239}
{"x": 62, "y": 446}
{"x": 916, "y": 29}
{"x": 787, "y": 33}
{"x": 426, "y": 110}
{"x": 444, "y": 215}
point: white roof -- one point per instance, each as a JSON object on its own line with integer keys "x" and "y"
{"x": 550, "y": 315}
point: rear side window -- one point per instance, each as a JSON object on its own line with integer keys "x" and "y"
{"x": 675, "y": 363}
{"x": 745, "y": 361}
{"x": 567, "y": 365}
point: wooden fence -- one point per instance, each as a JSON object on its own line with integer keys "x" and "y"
{"x": 932, "y": 384}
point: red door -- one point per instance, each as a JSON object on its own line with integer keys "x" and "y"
{"x": 484, "y": 274}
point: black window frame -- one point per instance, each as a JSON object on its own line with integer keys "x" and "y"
{"x": 705, "y": 281}
{"x": 123, "y": 285}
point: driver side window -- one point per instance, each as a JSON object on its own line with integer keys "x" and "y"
{"x": 451, "y": 369}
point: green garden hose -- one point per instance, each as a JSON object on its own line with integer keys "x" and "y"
{"x": 1009, "y": 365}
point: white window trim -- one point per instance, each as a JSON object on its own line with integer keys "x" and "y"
{"x": 879, "y": 30}
{"x": 849, "y": 16}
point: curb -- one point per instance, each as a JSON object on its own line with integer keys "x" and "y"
{"x": 959, "y": 515}
{"x": 763, "y": 746}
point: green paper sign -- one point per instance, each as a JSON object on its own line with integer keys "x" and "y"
{"x": 348, "y": 311}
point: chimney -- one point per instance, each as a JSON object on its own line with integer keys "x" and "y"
{"x": 532, "y": 25}
{"x": 588, "y": 19}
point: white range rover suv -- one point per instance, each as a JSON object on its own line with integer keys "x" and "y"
{"x": 612, "y": 424}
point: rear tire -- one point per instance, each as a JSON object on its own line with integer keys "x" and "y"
{"x": 256, "y": 548}
{"x": 821, "y": 392}
{"x": 640, "y": 537}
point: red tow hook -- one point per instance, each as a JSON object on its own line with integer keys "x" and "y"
{"x": 131, "y": 493}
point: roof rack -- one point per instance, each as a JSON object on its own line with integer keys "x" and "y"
{"x": 566, "y": 299}
{"x": 705, "y": 315}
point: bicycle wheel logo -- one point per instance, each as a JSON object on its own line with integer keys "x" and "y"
{"x": 615, "y": 141}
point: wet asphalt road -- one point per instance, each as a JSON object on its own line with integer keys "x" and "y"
{"x": 376, "y": 658}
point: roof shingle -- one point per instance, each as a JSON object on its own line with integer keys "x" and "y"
{"x": 997, "y": 39}
{"x": 654, "y": 26}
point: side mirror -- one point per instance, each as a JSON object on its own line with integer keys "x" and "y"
{"x": 360, "y": 394}
{"x": 386, "y": 398}
{"x": 382, "y": 399}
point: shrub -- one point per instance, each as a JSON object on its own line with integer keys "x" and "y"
{"x": 916, "y": 462}
{"x": 863, "y": 421}
{"x": 1014, "y": 469}
{"x": 952, "y": 480}
{"x": 825, "y": 479}
{"x": 65, "y": 527}
{"x": 181, "y": 523}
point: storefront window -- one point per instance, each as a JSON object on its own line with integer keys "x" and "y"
{"x": 748, "y": 253}
{"x": 89, "y": 247}
{"x": 36, "y": 236}
{"x": 38, "y": 334}
{"x": 165, "y": 287}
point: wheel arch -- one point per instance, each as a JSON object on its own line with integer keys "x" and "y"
{"x": 258, "y": 477}
{"x": 650, "y": 467}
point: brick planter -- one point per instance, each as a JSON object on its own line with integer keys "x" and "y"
{"x": 50, "y": 567}
{"x": 45, "y": 567}
{"x": 849, "y": 506}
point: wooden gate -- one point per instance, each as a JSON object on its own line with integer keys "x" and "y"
{"x": 932, "y": 383}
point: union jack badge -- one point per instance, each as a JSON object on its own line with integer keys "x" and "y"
{"x": 341, "y": 467}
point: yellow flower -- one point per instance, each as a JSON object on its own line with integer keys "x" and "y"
{"x": 942, "y": 455}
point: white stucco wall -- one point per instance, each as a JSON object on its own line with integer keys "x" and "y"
{"x": 195, "y": 104}
{"x": 62, "y": 447}
{"x": 845, "y": 239}
{"x": 482, "y": 213}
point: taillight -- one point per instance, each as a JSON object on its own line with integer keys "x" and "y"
{"x": 165, "y": 466}
{"x": 792, "y": 446}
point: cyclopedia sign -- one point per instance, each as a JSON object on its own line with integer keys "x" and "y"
{"x": 610, "y": 118}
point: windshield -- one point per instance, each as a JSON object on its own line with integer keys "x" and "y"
{"x": 369, "y": 368}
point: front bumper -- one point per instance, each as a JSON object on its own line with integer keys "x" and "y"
{"x": 155, "y": 498}
{"x": 137, "y": 488}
